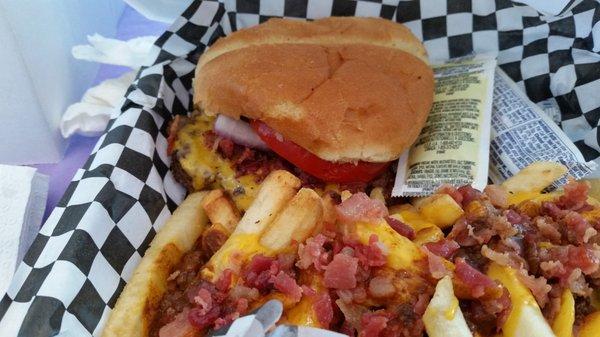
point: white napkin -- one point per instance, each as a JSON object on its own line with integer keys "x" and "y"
{"x": 23, "y": 194}
{"x": 90, "y": 116}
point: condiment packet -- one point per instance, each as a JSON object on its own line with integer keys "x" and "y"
{"x": 453, "y": 147}
{"x": 522, "y": 134}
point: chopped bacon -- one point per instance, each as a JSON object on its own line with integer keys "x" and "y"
{"x": 444, "y": 247}
{"x": 421, "y": 304}
{"x": 313, "y": 253}
{"x": 226, "y": 146}
{"x": 497, "y": 195}
{"x": 372, "y": 324}
{"x": 204, "y": 300}
{"x": 224, "y": 282}
{"x": 437, "y": 269}
{"x": 548, "y": 229}
{"x": 575, "y": 195}
{"x": 552, "y": 210}
{"x": 359, "y": 207}
{"x": 200, "y": 319}
{"x": 468, "y": 194}
{"x": 323, "y": 309}
{"x": 259, "y": 271}
{"x": 451, "y": 191}
{"x": 578, "y": 228}
{"x": 513, "y": 217}
{"x": 341, "y": 272}
{"x": 461, "y": 233}
{"x": 180, "y": 327}
{"x": 173, "y": 128}
{"x": 471, "y": 283}
{"x": 371, "y": 255}
{"x": 381, "y": 287}
{"x": 288, "y": 286}
{"x": 401, "y": 228}
{"x": 537, "y": 285}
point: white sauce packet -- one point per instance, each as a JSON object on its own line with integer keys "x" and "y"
{"x": 453, "y": 147}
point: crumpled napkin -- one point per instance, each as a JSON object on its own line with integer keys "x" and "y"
{"x": 90, "y": 116}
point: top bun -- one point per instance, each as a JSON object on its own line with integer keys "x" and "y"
{"x": 344, "y": 88}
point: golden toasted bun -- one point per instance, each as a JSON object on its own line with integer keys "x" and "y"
{"x": 137, "y": 304}
{"x": 345, "y": 89}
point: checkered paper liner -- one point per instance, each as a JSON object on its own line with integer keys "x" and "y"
{"x": 88, "y": 248}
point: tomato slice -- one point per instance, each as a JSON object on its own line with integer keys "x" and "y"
{"x": 327, "y": 171}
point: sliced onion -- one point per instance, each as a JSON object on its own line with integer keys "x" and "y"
{"x": 239, "y": 132}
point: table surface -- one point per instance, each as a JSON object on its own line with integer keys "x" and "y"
{"x": 131, "y": 25}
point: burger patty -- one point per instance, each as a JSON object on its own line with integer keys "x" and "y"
{"x": 239, "y": 169}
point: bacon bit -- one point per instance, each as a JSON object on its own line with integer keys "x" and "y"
{"x": 173, "y": 128}
{"x": 224, "y": 282}
{"x": 577, "y": 283}
{"x": 578, "y": 227}
{"x": 437, "y": 269}
{"x": 401, "y": 228}
{"x": 513, "y": 217}
{"x": 381, "y": 287}
{"x": 552, "y": 210}
{"x": 226, "y": 146}
{"x": 421, "y": 304}
{"x": 372, "y": 324}
{"x": 548, "y": 229}
{"x": 501, "y": 258}
{"x": 287, "y": 285}
{"x": 538, "y": 285}
{"x": 179, "y": 327}
{"x": 472, "y": 284}
{"x": 323, "y": 309}
{"x": 451, "y": 191}
{"x": 259, "y": 271}
{"x": 497, "y": 195}
{"x": 575, "y": 195}
{"x": 468, "y": 194}
{"x": 444, "y": 247}
{"x": 582, "y": 258}
{"x": 202, "y": 320}
{"x": 461, "y": 233}
{"x": 359, "y": 207}
{"x": 313, "y": 253}
{"x": 204, "y": 300}
{"x": 371, "y": 255}
{"x": 341, "y": 272}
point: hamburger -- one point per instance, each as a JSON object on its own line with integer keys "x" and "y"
{"x": 335, "y": 100}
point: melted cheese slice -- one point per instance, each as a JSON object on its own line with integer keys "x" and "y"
{"x": 208, "y": 169}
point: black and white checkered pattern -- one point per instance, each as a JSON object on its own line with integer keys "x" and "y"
{"x": 88, "y": 248}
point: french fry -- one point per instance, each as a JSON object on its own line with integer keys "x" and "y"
{"x": 132, "y": 315}
{"x": 295, "y": 222}
{"x": 525, "y": 318}
{"x": 535, "y": 177}
{"x": 274, "y": 194}
{"x": 443, "y": 317}
{"x": 220, "y": 210}
{"x": 563, "y": 322}
{"x": 440, "y": 209}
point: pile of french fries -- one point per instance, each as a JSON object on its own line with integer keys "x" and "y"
{"x": 284, "y": 215}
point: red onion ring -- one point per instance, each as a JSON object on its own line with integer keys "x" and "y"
{"x": 239, "y": 132}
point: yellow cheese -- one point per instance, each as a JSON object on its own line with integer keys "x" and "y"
{"x": 401, "y": 252}
{"x": 563, "y": 322}
{"x": 525, "y": 318}
{"x": 412, "y": 218}
{"x": 238, "y": 249}
{"x": 590, "y": 326}
{"x": 303, "y": 313}
{"x": 208, "y": 169}
{"x": 440, "y": 209}
{"x": 517, "y": 198}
